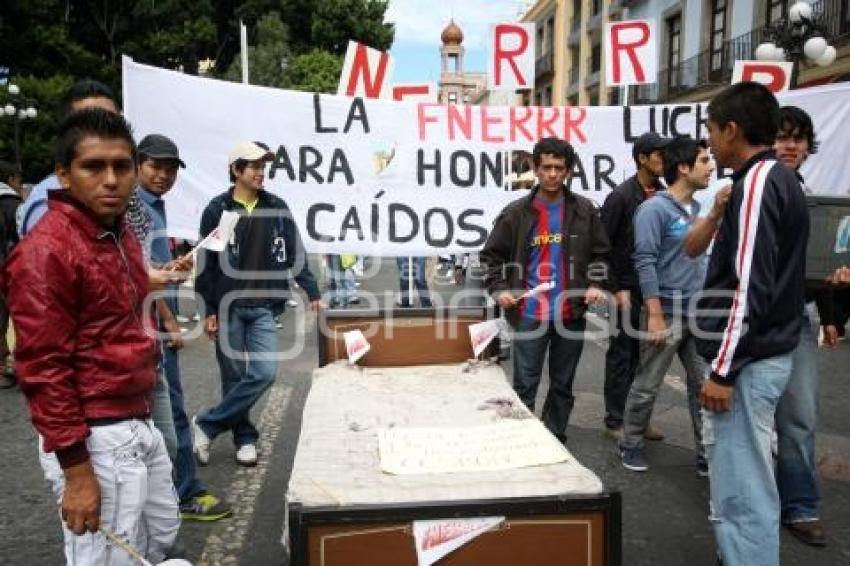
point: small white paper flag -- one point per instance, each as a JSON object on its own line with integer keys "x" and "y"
{"x": 356, "y": 345}
{"x": 435, "y": 539}
{"x": 547, "y": 286}
{"x": 482, "y": 333}
{"x": 218, "y": 238}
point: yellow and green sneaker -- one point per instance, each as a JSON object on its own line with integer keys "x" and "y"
{"x": 205, "y": 507}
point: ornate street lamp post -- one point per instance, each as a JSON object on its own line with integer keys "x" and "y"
{"x": 18, "y": 108}
{"x": 799, "y": 35}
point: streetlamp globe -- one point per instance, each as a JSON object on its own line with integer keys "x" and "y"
{"x": 32, "y": 112}
{"x": 9, "y": 110}
{"x": 14, "y": 90}
{"x": 800, "y": 11}
{"x": 827, "y": 58}
{"x": 766, "y": 51}
{"x": 815, "y": 47}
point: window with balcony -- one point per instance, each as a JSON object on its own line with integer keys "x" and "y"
{"x": 776, "y": 9}
{"x": 550, "y": 34}
{"x": 717, "y": 33}
{"x": 596, "y": 58}
{"x": 452, "y": 98}
{"x": 596, "y": 7}
{"x": 541, "y": 34}
{"x": 546, "y": 97}
{"x": 575, "y": 26}
{"x": 674, "y": 49}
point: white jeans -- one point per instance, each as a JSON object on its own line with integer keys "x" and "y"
{"x": 137, "y": 498}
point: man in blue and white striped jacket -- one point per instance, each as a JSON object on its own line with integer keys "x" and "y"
{"x": 756, "y": 279}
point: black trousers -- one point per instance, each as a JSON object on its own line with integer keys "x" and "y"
{"x": 621, "y": 361}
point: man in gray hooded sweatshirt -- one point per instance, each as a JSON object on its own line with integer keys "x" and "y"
{"x": 668, "y": 280}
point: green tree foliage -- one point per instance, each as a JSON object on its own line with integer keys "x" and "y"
{"x": 267, "y": 61}
{"x": 314, "y": 71}
{"x": 48, "y": 44}
{"x": 299, "y": 44}
{"x": 36, "y": 135}
{"x": 335, "y": 22}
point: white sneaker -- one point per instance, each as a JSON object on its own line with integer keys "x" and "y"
{"x": 201, "y": 443}
{"x": 247, "y": 455}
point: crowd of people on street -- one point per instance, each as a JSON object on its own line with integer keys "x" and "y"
{"x": 672, "y": 263}
{"x": 91, "y": 285}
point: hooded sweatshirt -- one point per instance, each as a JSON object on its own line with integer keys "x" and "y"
{"x": 663, "y": 268}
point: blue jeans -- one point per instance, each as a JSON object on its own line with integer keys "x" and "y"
{"x": 341, "y": 286}
{"x": 796, "y": 421}
{"x": 419, "y": 281}
{"x": 250, "y": 334}
{"x": 744, "y": 498}
{"x": 161, "y": 414}
{"x": 531, "y": 341}
{"x": 185, "y": 474}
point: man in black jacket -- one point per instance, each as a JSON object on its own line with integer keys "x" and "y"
{"x": 553, "y": 242}
{"x": 797, "y": 412}
{"x": 756, "y": 280}
{"x": 10, "y": 200}
{"x": 244, "y": 288}
{"x": 617, "y": 213}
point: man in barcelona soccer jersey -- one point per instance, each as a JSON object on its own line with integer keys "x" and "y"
{"x": 545, "y": 261}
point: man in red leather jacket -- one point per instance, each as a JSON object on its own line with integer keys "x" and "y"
{"x": 76, "y": 287}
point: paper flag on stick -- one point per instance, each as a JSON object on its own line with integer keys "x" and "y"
{"x": 436, "y": 538}
{"x": 218, "y": 238}
{"x": 356, "y": 345}
{"x": 482, "y": 334}
{"x": 547, "y": 286}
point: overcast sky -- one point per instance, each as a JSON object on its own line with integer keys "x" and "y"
{"x": 416, "y": 48}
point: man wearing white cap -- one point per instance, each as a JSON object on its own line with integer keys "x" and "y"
{"x": 244, "y": 288}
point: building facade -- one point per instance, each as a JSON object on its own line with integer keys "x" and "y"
{"x": 700, "y": 40}
{"x": 569, "y": 67}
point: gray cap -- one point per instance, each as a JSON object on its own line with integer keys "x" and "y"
{"x": 157, "y": 146}
{"x": 647, "y": 143}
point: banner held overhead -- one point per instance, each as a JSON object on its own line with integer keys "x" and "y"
{"x": 384, "y": 178}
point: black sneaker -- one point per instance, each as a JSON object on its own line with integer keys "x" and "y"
{"x": 7, "y": 379}
{"x": 205, "y": 507}
{"x": 633, "y": 459}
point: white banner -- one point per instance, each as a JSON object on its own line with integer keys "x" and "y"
{"x": 378, "y": 177}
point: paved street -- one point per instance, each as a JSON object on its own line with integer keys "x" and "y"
{"x": 665, "y": 510}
